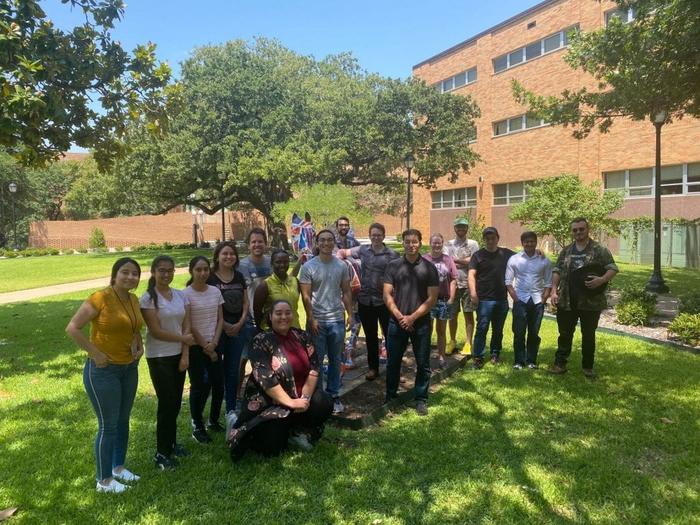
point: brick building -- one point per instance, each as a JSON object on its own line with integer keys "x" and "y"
{"x": 515, "y": 148}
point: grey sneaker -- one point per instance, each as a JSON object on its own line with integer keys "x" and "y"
{"x": 338, "y": 407}
{"x": 517, "y": 366}
{"x": 300, "y": 442}
{"x": 231, "y": 418}
{"x": 533, "y": 366}
{"x": 163, "y": 462}
{"x": 421, "y": 408}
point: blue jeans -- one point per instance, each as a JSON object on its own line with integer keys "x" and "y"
{"x": 231, "y": 348}
{"x": 527, "y": 317}
{"x": 396, "y": 343}
{"x": 493, "y": 313}
{"x": 111, "y": 390}
{"x": 329, "y": 341}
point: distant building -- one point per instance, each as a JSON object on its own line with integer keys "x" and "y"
{"x": 516, "y": 148}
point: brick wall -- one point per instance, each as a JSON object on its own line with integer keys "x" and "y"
{"x": 548, "y": 151}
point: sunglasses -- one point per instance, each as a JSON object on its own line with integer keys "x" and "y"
{"x": 576, "y": 230}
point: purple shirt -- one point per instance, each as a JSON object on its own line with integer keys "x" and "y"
{"x": 447, "y": 272}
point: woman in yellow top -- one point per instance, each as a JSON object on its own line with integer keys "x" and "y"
{"x": 278, "y": 287}
{"x": 110, "y": 374}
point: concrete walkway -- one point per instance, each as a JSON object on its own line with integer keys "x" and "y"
{"x": 58, "y": 289}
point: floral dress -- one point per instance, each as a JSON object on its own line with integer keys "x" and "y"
{"x": 270, "y": 368}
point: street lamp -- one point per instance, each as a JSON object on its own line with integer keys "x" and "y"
{"x": 12, "y": 186}
{"x": 656, "y": 282}
{"x": 222, "y": 178}
{"x": 409, "y": 161}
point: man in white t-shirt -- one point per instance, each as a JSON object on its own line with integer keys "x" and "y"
{"x": 461, "y": 250}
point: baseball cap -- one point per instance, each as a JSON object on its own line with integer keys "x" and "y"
{"x": 489, "y": 230}
{"x": 461, "y": 221}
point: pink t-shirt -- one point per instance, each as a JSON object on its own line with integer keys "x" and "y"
{"x": 447, "y": 272}
{"x": 204, "y": 310}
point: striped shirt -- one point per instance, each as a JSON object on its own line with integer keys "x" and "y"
{"x": 204, "y": 310}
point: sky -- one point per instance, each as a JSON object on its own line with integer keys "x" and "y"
{"x": 386, "y": 36}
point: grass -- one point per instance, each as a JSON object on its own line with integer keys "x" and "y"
{"x": 681, "y": 281}
{"x": 497, "y": 447}
{"x": 34, "y": 272}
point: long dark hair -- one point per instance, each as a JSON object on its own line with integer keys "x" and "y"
{"x": 118, "y": 264}
{"x": 151, "y": 289}
{"x": 193, "y": 262}
{"x": 217, "y": 251}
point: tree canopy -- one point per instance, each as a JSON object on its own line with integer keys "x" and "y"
{"x": 257, "y": 118}
{"x": 74, "y": 87}
{"x": 552, "y": 203}
{"x": 647, "y": 65}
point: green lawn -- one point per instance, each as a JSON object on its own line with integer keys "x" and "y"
{"x": 681, "y": 281}
{"x": 497, "y": 447}
{"x": 34, "y": 272}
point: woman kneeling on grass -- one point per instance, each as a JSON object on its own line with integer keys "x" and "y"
{"x": 281, "y": 404}
{"x": 111, "y": 373}
{"x": 166, "y": 312}
{"x": 206, "y": 369}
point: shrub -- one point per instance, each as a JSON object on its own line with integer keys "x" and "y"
{"x": 81, "y": 250}
{"x": 11, "y": 254}
{"x": 97, "y": 239}
{"x": 168, "y": 246}
{"x": 635, "y": 307}
{"x": 690, "y": 303}
{"x": 54, "y": 251}
{"x": 687, "y": 328}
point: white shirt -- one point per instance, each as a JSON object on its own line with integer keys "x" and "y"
{"x": 204, "y": 310}
{"x": 170, "y": 316}
{"x": 531, "y": 275}
{"x": 461, "y": 250}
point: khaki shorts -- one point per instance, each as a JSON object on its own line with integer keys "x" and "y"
{"x": 463, "y": 301}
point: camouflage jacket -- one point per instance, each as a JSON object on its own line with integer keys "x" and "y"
{"x": 595, "y": 253}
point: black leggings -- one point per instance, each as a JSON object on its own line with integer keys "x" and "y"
{"x": 205, "y": 376}
{"x": 168, "y": 382}
{"x": 270, "y": 438}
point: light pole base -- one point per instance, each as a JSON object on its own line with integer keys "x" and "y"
{"x": 656, "y": 284}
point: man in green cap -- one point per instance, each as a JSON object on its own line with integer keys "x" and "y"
{"x": 461, "y": 249}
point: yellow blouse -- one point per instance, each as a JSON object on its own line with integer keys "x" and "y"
{"x": 116, "y": 324}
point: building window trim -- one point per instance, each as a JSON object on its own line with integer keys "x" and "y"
{"x": 629, "y": 15}
{"x": 563, "y": 44}
{"x": 523, "y": 125}
{"x": 510, "y": 199}
{"x": 685, "y": 185}
{"x": 469, "y": 199}
{"x": 440, "y": 85}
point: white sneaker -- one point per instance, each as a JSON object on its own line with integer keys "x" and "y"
{"x": 126, "y": 476}
{"x": 231, "y": 418}
{"x": 113, "y": 487}
{"x": 338, "y": 407}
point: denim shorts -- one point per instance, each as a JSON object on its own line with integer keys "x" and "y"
{"x": 442, "y": 311}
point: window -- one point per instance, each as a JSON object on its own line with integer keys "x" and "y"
{"x": 512, "y": 193}
{"x": 471, "y": 134}
{"x": 460, "y": 79}
{"x": 514, "y": 124}
{"x": 624, "y": 15}
{"x": 457, "y": 198}
{"x": 533, "y": 50}
{"x": 679, "y": 179}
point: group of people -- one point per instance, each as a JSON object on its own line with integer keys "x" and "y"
{"x": 234, "y": 311}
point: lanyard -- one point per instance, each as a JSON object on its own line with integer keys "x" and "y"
{"x": 132, "y": 321}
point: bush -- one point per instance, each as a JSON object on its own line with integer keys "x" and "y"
{"x": 11, "y": 254}
{"x": 635, "y": 307}
{"x": 81, "y": 250}
{"x": 54, "y": 251}
{"x": 97, "y": 239}
{"x": 687, "y": 328}
{"x": 690, "y": 303}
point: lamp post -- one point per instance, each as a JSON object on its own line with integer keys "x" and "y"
{"x": 656, "y": 282}
{"x": 222, "y": 178}
{"x": 12, "y": 186}
{"x": 409, "y": 161}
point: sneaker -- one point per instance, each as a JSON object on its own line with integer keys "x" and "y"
{"x": 113, "y": 487}
{"x": 200, "y": 436}
{"x": 532, "y": 366}
{"x": 382, "y": 355}
{"x": 421, "y": 408}
{"x": 231, "y": 418}
{"x": 517, "y": 366}
{"x": 589, "y": 373}
{"x": 442, "y": 362}
{"x": 478, "y": 363}
{"x": 179, "y": 451}
{"x": 125, "y": 475}
{"x": 349, "y": 364}
{"x": 557, "y": 369}
{"x": 300, "y": 442}
{"x": 372, "y": 375}
{"x": 163, "y": 462}
{"x": 467, "y": 349}
{"x": 451, "y": 347}
{"x": 338, "y": 407}
{"x": 495, "y": 360}
{"x": 215, "y": 426}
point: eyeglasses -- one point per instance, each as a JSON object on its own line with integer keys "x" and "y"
{"x": 577, "y": 230}
{"x": 165, "y": 270}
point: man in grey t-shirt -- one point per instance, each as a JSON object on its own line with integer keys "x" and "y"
{"x": 325, "y": 290}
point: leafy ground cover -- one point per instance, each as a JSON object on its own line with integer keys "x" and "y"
{"x": 34, "y": 272}
{"x": 498, "y": 446}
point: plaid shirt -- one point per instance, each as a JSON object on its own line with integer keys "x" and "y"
{"x": 595, "y": 253}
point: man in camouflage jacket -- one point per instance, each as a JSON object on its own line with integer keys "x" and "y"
{"x": 578, "y": 294}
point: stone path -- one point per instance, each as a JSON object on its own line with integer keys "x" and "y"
{"x": 57, "y": 289}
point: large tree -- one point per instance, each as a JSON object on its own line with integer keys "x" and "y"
{"x": 257, "y": 118}
{"x": 59, "y": 88}
{"x": 644, "y": 66}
